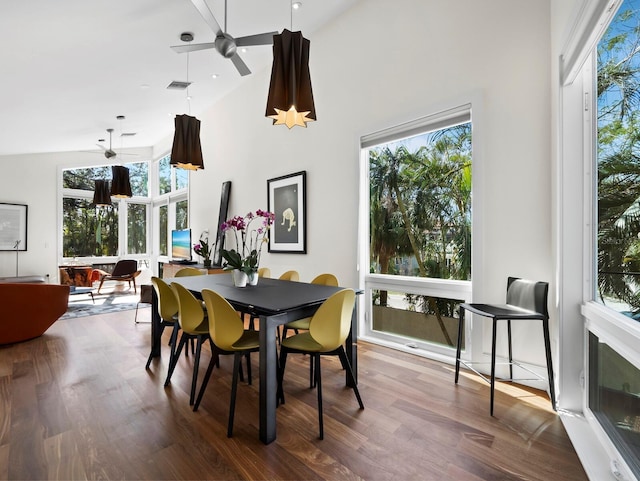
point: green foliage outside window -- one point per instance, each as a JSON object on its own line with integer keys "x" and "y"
{"x": 618, "y": 161}
{"x": 136, "y": 228}
{"x": 88, "y": 231}
{"x": 420, "y": 201}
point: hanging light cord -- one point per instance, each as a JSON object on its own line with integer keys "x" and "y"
{"x": 291, "y": 13}
{"x": 188, "y": 96}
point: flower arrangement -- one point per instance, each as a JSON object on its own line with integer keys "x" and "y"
{"x": 248, "y": 240}
{"x": 203, "y": 249}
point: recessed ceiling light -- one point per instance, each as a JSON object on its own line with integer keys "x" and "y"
{"x": 296, "y": 5}
{"x": 215, "y": 75}
{"x": 145, "y": 86}
{"x": 243, "y": 50}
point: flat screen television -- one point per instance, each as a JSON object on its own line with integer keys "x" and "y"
{"x": 181, "y": 245}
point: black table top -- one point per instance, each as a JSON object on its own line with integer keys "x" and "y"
{"x": 269, "y": 296}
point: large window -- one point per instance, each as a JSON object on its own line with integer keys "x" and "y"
{"x": 171, "y": 205}
{"x": 618, "y": 162}
{"x": 89, "y": 231}
{"x": 419, "y": 229}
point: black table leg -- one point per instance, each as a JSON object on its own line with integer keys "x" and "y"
{"x": 268, "y": 378}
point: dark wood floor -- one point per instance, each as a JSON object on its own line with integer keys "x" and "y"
{"x": 77, "y": 403}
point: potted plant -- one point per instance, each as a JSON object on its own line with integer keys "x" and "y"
{"x": 203, "y": 249}
{"x": 249, "y": 233}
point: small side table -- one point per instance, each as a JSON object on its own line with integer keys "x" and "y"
{"x": 76, "y": 291}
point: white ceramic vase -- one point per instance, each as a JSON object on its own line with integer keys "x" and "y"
{"x": 253, "y": 278}
{"x": 239, "y": 278}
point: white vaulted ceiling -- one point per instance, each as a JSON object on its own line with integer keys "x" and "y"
{"x": 69, "y": 67}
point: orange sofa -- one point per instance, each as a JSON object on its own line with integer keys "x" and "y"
{"x": 28, "y": 310}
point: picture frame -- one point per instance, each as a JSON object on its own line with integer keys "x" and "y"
{"x": 13, "y": 227}
{"x": 286, "y": 198}
{"x": 225, "y": 193}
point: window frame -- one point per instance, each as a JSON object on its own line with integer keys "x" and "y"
{"x": 453, "y": 114}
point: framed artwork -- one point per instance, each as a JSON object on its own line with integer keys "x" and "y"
{"x": 287, "y": 200}
{"x": 222, "y": 217}
{"x": 13, "y": 227}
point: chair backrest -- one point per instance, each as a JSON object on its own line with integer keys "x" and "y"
{"x": 124, "y": 267}
{"x": 330, "y": 325}
{"x": 190, "y": 312}
{"x": 188, "y": 271}
{"x": 225, "y": 326}
{"x": 290, "y": 276}
{"x": 167, "y": 301}
{"x": 325, "y": 280}
{"x": 527, "y": 294}
{"x": 264, "y": 272}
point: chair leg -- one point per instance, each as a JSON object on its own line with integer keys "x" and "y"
{"x": 196, "y": 365}
{"x": 547, "y": 347}
{"x": 101, "y": 282}
{"x": 459, "y": 346}
{"x": 173, "y": 360}
{"x": 510, "y": 349}
{"x": 316, "y": 357}
{"x": 207, "y": 375}
{"x": 493, "y": 365}
{"x": 283, "y": 363}
{"x": 248, "y": 357}
{"x": 312, "y": 379}
{"x": 237, "y": 362}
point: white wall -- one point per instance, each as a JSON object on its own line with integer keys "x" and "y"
{"x": 380, "y": 64}
{"x": 34, "y": 180}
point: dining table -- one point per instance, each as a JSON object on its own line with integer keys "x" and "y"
{"x": 275, "y": 302}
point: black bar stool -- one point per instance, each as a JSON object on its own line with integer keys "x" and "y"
{"x": 526, "y": 300}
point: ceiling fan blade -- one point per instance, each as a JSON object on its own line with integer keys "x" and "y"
{"x": 240, "y": 65}
{"x": 192, "y": 47}
{"x": 204, "y": 10}
{"x": 102, "y": 147}
{"x": 258, "y": 39}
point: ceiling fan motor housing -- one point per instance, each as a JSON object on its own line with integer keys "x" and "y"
{"x": 226, "y": 45}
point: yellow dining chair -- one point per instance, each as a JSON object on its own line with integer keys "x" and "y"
{"x": 328, "y": 330}
{"x": 290, "y": 276}
{"x": 188, "y": 271}
{"x": 303, "y": 324}
{"x": 264, "y": 272}
{"x": 194, "y": 325}
{"x": 226, "y": 330}
{"x": 167, "y": 310}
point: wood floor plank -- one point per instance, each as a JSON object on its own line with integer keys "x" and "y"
{"x": 77, "y": 403}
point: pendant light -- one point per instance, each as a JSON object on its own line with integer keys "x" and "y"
{"x": 290, "y": 99}
{"x": 120, "y": 183}
{"x": 186, "y": 152}
{"x": 102, "y": 193}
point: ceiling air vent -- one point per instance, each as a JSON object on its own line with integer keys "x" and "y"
{"x": 178, "y": 85}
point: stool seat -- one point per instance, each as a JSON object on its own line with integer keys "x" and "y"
{"x": 526, "y": 300}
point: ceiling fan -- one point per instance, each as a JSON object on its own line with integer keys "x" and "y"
{"x": 108, "y": 153}
{"x": 225, "y": 44}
